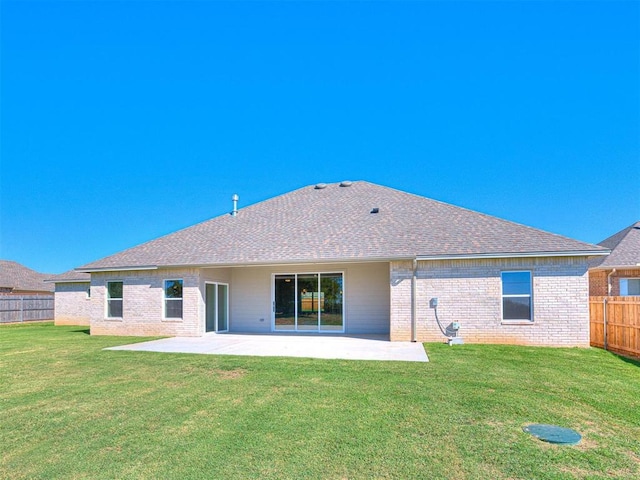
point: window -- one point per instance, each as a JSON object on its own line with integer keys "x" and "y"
{"x": 89, "y": 292}
{"x": 114, "y": 299}
{"x": 629, "y": 286}
{"x": 516, "y": 296}
{"x": 173, "y": 299}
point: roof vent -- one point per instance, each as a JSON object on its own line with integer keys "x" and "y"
{"x": 235, "y": 199}
{"x": 320, "y": 186}
{"x": 346, "y": 183}
{"x": 375, "y": 210}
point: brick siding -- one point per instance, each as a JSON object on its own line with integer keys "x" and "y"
{"x": 143, "y": 304}
{"x": 598, "y": 282}
{"x": 470, "y": 292}
{"x": 72, "y": 307}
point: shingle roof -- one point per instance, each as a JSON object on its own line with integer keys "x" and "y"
{"x": 625, "y": 249}
{"x": 336, "y": 224}
{"x": 70, "y": 276}
{"x": 20, "y": 278}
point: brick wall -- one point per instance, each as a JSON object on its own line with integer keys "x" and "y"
{"x": 598, "y": 282}
{"x": 72, "y": 306}
{"x": 143, "y": 303}
{"x": 470, "y": 292}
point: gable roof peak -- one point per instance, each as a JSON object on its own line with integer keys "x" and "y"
{"x": 625, "y": 249}
{"x": 337, "y": 223}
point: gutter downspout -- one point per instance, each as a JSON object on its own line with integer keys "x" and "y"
{"x": 609, "y": 281}
{"x": 604, "y": 308}
{"x": 414, "y": 300}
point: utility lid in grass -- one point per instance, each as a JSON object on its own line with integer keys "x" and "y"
{"x": 553, "y": 434}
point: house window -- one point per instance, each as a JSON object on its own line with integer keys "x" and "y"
{"x": 173, "y": 299}
{"x": 516, "y": 296}
{"x": 629, "y": 287}
{"x": 114, "y": 299}
{"x": 88, "y": 292}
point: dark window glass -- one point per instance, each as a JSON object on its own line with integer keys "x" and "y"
{"x": 516, "y": 283}
{"x": 114, "y": 299}
{"x": 173, "y": 298}
{"x": 174, "y": 309}
{"x": 516, "y": 296}
{"x": 115, "y": 289}
{"x": 115, "y": 308}
{"x": 516, "y": 308}
{"x": 173, "y": 288}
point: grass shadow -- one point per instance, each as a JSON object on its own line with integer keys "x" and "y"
{"x": 86, "y": 331}
{"x": 631, "y": 360}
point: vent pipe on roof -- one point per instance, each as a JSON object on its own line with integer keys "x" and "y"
{"x": 235, "y": 199}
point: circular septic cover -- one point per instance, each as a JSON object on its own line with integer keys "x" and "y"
{"x": 553, "y": 434}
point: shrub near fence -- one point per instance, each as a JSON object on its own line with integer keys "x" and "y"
{"x": 615, "y": 324}
{"x": 26, "y": 308}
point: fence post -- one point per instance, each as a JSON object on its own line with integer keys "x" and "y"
{"x": 604, "y": 307}
{"x": 21, "y": 308}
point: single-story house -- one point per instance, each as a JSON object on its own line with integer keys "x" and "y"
{"x": 16, "y": 279}
{"x": 350, "y": 258}
{"x": 72, "y": 296}
{"x": 617, "y": 274}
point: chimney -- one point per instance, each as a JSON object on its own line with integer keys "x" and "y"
{"x": 235, "y": 199}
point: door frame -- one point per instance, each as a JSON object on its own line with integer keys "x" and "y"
{"x": 206, "y": 306}
{"x": 295, "y": 326}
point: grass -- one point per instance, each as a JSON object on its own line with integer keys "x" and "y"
{"x": 69, "y": 409}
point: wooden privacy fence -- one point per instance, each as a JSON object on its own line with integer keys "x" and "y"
{"x": 615, "y": 324}
{"x": 25, "y": 308}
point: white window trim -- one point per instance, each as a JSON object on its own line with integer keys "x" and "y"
{"x": 626, "y": 286}
{"x": 165, "y": 299}
{"x": 517, "y": 321}
{"x": 106, "y": 303}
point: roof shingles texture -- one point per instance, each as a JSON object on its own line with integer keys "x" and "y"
{"x": 70, "y": 276}
{"x": 20, "y": 278}
{"x": 336, "y": 224}
{"x": 625, "y": 249}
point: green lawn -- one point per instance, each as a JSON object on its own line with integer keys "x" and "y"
{"x": 68, "y": 409}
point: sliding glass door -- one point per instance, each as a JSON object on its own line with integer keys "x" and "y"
{"x": 284, "y": 304}
{"x": 217, "y": 307}
{"x": 308, "y": 302}
{"x": 331, "y": 315}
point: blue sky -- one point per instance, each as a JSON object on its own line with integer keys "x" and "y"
{"x": 125, "y": 121}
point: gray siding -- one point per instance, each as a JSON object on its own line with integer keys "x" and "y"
{"x": 250, "y": 300}
{"x": 366, "y": 296}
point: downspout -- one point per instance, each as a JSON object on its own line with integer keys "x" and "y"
{"x": 609, "y": 286}
{"x": 604, "y": 308}
{"x": 414, "y": 301}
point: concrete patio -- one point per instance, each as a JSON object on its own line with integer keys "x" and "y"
{"x": 360, "y": 347}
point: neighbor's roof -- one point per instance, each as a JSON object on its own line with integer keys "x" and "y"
{"x": 20, "y": 278}
{"x": 625, "y": 249}
{"x": 70, "y": 276}
{"x": 336, "y": 224}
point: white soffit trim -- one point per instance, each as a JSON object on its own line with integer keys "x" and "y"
{"x": 590, "y": 253}
{"x": 619, "y": 267}
{"x": 293, "y": 262}
{"x": 115, "y": 269}
{"x": 84, "y": 280}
